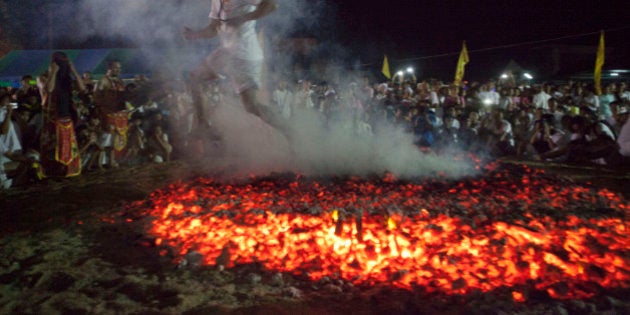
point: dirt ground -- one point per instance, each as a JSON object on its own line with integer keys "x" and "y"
{"x": 58, "y": 256}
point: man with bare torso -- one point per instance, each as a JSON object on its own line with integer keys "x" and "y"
{"x": 110, "y": 106}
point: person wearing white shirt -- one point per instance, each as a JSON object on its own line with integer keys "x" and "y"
{"x": 605, "y": 149}
{"x": 623, "y": 93}
{"x": 623, "y": 138}
{"x": 487, "y": 96}
{"x": 304, "y": 95}
{"x": 9, "y": 141}
{"x": 541, "y": 99}
{"x": 283, "y": 99}
{"x": 591, "y": 100}
{"x": 605, "y": 111}
{"x": 239, "y": 57}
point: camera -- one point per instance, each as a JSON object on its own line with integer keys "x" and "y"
{"x": 13, "y": 105}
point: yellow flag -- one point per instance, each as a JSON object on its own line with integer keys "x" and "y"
{"x": 461, "y": 63}
{"x": 599, "y": 62}
{"x": 385, "y": 69}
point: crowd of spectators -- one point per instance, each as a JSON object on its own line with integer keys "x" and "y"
{"x": 566, "y": 122}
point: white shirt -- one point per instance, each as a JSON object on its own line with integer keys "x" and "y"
{"x": 9, "y": 142}
{"x": 283, "y": 99}
{"x": 505, "y": 128}
{"x": 593, "y": 102}
{"x": 241, "y": 41}
{"x": 491, "y": 97}
{"x": 541, "y": 100}
{"x": 304, "y": 98}
{"x": 623, "y": 139}
{"x": 433, "y": 97}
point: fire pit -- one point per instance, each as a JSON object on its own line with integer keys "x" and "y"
{"x": 511, "y": 227}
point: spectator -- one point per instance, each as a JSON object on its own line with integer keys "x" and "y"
{"x": 304, "y": 96}
{"x": 470, "y": 131}
{"x": 541, "y": 98}
{"x": 26, "y": 129}
{"x": 545, "y": 137}
{"x": 283, "y": 99}
{"x": 137, "y": 139}
{"x": 590, "y": 100}
{"x": 487, "y": 96}
{"x": 522, "y": 131}
{"x": 424, "y": 93}
{"x": 505, "y": 100}
{"x": 90, "y": 142}
{"x": 9, "y": 142}
{"x": 502, "y": 138}
{"x": 26, "y": 89}
{"x": 88, "y": 147}
{"x": 87, "y": 80}
{"x": 605, "y": 101}
{"x": 158, "y": 146}
{"x": 574, "y": 150}
{"x": 366, "y": 93}
{"x": 623, "y": 94}
{"x": 623, "y": 139}
{"x": 451, "y": 126}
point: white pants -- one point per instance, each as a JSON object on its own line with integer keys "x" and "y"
{"x": 244, "y": 74}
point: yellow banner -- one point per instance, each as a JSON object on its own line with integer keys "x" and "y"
{"x": 385, "y": 69}
{"x": 461, "y": 64}
{"x": 599, "y": 62}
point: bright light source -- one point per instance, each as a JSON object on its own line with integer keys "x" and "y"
{"x": 614, "y": 74}
{"x": 399, "y": 73}
{"x": 487, "y": 101}
{"x": 528, "y": 76}
{"x": 504, "y": 76}
{"x": 410, "y": 70}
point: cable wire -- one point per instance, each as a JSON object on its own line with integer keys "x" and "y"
{"x": 506, "y": 46}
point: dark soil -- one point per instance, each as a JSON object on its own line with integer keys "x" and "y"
{"x": 58, "y": 255}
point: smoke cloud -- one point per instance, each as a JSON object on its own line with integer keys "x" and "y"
{"x": 155, "y": 26}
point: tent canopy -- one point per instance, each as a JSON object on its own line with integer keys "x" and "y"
{"x": 18, "y": 63}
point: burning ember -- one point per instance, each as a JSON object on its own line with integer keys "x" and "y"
{"x": 513, "y": 227}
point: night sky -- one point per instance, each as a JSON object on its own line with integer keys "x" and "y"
{"x": 423, "y": 34}
{"x": 411, "y": 31}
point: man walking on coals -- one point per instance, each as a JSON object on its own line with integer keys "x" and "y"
{"x": 240, "y": 56}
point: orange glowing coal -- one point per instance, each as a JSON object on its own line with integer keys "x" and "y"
{"x": 517, "y": 228}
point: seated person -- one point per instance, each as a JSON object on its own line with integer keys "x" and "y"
{"x": 10, "y": 147}
{"x": 545, "y": 136}
{"x": 614, "y": 152}
{"x": 158, "y": 146}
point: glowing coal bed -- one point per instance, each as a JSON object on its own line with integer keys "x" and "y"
{"x": 512, "y": 227}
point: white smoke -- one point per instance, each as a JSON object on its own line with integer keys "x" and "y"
{"x": 156, "y": 26}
